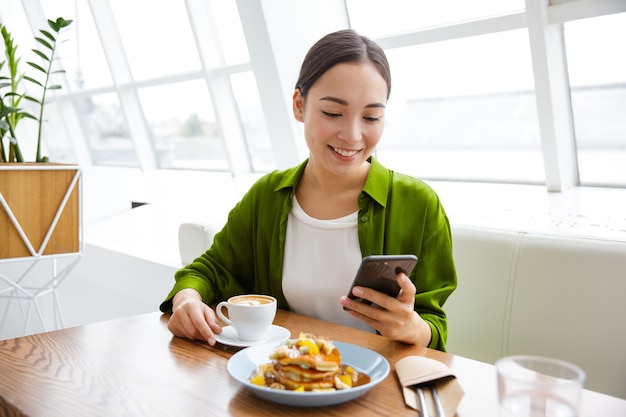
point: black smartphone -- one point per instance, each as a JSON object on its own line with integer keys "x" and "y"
{"x": 379, "y": 272}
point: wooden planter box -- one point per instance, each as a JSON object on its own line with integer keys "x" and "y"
{"x": 39, "y": 209}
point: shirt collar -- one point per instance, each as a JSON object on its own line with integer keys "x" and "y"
{"x": 292, "y": 177}
{"x": 377, "y": 183}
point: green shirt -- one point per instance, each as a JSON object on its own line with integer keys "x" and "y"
{"x": 398, "y": 214}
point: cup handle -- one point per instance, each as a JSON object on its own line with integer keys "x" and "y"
{"x": 220, "y": 314}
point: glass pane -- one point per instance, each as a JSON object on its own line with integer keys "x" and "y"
{"x": 81, "y": 54}
{"x": 157, "y": 37}
{"x": 55, "y": 142}
{"x": 13, "y": 17}
{"x": 107, "y": 134}
{"x": 230, "y": 32}
{"x": 184, "y": 131}
{"x": 597, "y": 70}
{"x": 253, "y": 120}
{"x": 464, "y": 110}
{"x": 376, "y": 18}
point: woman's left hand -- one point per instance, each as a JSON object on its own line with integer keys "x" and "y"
{"x": 394, "y": 318}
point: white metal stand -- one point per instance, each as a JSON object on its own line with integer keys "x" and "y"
{"x": 18, "y": 289}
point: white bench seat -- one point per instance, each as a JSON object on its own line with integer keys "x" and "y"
{"x": 522, "y": 293}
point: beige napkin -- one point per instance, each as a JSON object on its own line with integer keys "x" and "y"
{"x": 418, "y": 370}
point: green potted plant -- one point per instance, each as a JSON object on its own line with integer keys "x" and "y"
{"x": 38, "y": 200}
{"x": 10, "y": 111}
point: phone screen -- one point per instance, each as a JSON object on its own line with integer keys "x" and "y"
{"x": 379, "y": 272}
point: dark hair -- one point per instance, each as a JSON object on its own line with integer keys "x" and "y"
{"x": 343, "y": 46}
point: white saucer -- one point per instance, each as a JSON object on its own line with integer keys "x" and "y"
{"x": 275, "y": 334}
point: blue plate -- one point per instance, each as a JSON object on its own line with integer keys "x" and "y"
{"x": 243, "y": 363}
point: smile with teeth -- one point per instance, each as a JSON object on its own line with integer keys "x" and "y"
{"x": 344, "y": 152}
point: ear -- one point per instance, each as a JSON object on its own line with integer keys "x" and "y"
{"x": 298, "y": 105}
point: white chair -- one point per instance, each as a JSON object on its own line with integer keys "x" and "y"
{"x": 193, "y": 240}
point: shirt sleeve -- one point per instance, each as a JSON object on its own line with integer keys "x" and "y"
{"x": 399, "y": 215}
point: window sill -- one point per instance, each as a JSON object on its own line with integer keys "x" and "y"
{"x": 583, "y": 212}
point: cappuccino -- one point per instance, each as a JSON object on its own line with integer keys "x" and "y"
{"x": 251, "y": 300}
{"x": 251, "y": 315}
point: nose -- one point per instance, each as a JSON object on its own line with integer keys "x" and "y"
{"x": 351, "y": 131}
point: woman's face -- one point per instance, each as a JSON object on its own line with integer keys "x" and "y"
{"x": 343, "y": 116}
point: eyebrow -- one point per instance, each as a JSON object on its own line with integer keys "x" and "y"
{"x": 345, "y": 103}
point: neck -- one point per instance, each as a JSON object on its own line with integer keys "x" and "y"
{"x": 328, "y": 183}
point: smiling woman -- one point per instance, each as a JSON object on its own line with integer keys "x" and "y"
{"x": 475, "y": 104}
{"x": 299, "y": 234}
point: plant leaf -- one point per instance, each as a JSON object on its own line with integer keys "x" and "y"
{"x": 54, "y": 87}
{"x": 53, "y": 24}
{"x": 41, "y": 54}
{"x": 36, "y": 66}
{"x": 28, "y": 116}
{"x": 47, "y": 34}
{"x": 44, "y": 43}
{"x": 12, "y": 94}
{"x": 32, "y": 80}
{"x": 33, "y": 99}
{"x": 6, "y": 110}
{"x": 61, "y": 23}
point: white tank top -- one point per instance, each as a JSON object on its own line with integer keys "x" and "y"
{"x": 320, "y": 261}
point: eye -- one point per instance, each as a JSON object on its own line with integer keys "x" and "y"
{"x": 331, "y": 114}
{"x": 371, "y": 119}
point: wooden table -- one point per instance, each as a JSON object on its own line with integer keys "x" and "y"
{"x": 135, "y": 367}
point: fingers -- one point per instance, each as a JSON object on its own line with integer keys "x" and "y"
{"x": 406, "y": 296}
{"x": 204, "y": 323}
{"x": 388, "y": 315}
{"x": 194, "y": 320}
{"x": 408, "y": 290}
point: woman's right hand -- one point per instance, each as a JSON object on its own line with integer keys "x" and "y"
{"x": 192, "y": 318}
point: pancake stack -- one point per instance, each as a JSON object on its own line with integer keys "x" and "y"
{"x": 308, "y": 363}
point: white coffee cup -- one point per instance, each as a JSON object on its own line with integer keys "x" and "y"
{"x": 251, "y": 315}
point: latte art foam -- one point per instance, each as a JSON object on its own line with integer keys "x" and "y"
{"x": 251, "y": 300}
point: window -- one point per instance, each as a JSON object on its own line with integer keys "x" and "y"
{"x": 464, "y": 109}
{"x": 597, "y": 78}
{"x": 143, "y": 90}
{"x": 251, "y": 113}
{"x": 173, "y": 84}
{"x": 184, "y": 132}
{"x": 104, "y": 126}
{"x": 230, "y": 32}
{"x": 81, "y": 54}
{"x": 156, "y": 36}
